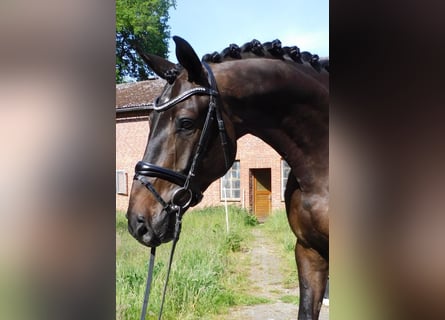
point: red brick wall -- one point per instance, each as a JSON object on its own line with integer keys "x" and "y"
{"x": 131, "y": 139}
{"x": 252, "y": 153}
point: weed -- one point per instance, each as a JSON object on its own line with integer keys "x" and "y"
{"x": 233, "y": 242}
{"x": 251, "y": 220}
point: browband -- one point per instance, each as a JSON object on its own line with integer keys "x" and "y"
{"x": 198, "y": 90}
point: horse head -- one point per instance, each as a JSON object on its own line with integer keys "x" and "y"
{"x": 191, "y": 144}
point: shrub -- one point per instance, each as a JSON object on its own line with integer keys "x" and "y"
{"x": 233, "y": 242}
{"x": 250, "y": 220}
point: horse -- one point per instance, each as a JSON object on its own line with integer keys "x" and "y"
{"x": 276, "y": 93}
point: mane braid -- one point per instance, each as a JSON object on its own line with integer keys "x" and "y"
{"x": 271, "y": 50}
{"x": 170, "y": 75}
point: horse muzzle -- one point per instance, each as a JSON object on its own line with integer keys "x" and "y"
{"x": 152, "y": 233}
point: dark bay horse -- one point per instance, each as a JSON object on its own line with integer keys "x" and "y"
{"x": 276, "y": 93}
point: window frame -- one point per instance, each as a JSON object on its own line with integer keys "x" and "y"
{"x": 233, "y": 180}
{"x": 285, "y": 170}
{"x": 121, "y": 182}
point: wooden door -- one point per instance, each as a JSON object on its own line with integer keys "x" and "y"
{"x": 261, "y": 190}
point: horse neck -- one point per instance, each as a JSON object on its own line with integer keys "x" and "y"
{"x": 284, "y": 104}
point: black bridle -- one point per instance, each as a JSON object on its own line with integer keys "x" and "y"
{"x": 188, "y": 194}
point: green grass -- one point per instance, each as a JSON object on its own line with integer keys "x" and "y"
{"x": 209, "y": 272}
{"x": 277, "y": 228}
{"x": 290, "y": 299}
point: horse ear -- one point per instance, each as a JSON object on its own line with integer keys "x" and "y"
{"x": 159, "y": 65}
{"x": 189, "y": 59}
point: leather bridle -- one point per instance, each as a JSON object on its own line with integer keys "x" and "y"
{"x": 188, "y": 194}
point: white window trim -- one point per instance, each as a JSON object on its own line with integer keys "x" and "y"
{"x": 222, "y": 189}
{"x": 283, "y": 178}
{"x": 121, "y": 186}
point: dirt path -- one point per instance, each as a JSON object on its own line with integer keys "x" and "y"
{"x": 267, "y": 282}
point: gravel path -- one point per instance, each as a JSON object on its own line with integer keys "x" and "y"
{"x": 267, "y": 282}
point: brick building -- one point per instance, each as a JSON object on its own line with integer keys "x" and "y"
{"x": 256, "y": 180}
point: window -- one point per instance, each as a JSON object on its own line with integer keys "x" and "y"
{"x": 285, "y": 169}
{"x": 121, "y": 182}
{"x": 230, "y": 183}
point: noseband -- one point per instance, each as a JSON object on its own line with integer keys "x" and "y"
{"x": 189, "y": 194}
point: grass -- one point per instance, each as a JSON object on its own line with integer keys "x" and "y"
{"x": 277, "y": 228}
{"x": 290, "y": 299}
{"x": 209, "y": 272}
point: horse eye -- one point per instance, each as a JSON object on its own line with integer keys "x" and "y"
{"x": 186, "y": 124}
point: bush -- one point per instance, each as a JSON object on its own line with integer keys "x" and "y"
{"x": 233, "y": 242}
{"x": 250, "y": 220}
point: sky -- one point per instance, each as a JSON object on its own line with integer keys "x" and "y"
{"x": 211, "y": 25}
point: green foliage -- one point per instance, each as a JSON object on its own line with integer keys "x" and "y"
{"x": 143, "y": 22}
{"x": 207, "y": 274}
{"x": 233, "y": 242}
{"x": 251, "y": 220}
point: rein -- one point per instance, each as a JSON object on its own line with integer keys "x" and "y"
{"x": 178, "y": 224}
{"x": 188, "y": 194}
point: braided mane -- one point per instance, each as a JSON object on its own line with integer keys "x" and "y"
{"x": 255, "y": 49}
{"x": 271, "y": 50}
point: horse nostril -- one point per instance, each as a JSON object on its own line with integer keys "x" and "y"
{"x": 141, "y": 229}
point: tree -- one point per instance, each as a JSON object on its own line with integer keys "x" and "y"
{"x": 143, "y": 22}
